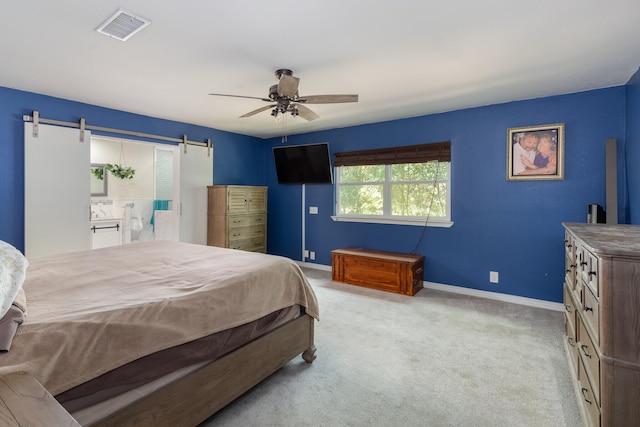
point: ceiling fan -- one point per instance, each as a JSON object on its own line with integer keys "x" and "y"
{"x": 284, "y": 98}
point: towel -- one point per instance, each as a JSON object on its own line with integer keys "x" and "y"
{"x": 158, "y": 205}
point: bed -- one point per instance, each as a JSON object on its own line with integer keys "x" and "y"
{"x": 156, "y": 333}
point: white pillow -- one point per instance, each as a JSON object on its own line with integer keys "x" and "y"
{"x": 13, "y": 269}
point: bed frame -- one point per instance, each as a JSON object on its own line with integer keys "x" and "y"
{"x": 185, "y": 402}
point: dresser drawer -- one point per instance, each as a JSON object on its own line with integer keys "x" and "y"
{"x": 591, "y": 312}
{"x": 570, "y": 336}
{"x": 570, "y": 271}
{"x": 238, "y": 221}
{"x": 246, "y": 233}
{"x": 252, "y": 245}
{"x": 588, "y": 269}
{"x": 590, "y": 359}
{"x": 570, "y": 309}
{"x": 588, "y": 401}
{"x": 570, "y": 260}
{"x": 258, "y": 219}
{"x": 578, "y": 294}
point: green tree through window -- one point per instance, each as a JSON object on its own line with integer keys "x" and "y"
{"x": 398, "y": 191}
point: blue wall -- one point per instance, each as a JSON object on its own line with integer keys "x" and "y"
{"x": 237, "y": 159}
{"x": 510, "y": 227}
{"x": 514, "y": 228}
{"x": 633, "y": 146}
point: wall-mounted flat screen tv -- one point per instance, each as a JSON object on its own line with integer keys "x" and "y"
{"x": 303, "y": 164}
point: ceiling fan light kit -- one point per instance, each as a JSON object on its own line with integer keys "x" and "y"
{"x": 287, "y": 99}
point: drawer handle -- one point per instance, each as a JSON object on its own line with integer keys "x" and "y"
{"x": 568, "y": 308}
{"x": 570, "y": 341}
{"x": 584, "y": 351}
{"x": 236, "y": 234}
{"x": 584, "y": 263}
{"x": 585, "y": 397}
{"x": 592, "y": 273}
{"x": 587, "y": 308}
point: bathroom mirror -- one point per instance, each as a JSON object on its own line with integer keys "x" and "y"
{"x": 98, "y": 179}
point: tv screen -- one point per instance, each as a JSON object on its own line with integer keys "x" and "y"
{"x": 303, "y": 164}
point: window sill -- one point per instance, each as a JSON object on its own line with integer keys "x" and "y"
{"x": 421, "y": 223}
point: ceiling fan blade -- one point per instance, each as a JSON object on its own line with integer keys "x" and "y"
{"x": 288, "y": 86}
{"x": 327, "y": 99}
{"x": 306, "y": 113}
{"x": 259, "y": 110}
{"x": 241, "y": 96}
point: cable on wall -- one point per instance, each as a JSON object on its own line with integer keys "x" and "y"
{"x": 437, "y": 192}
{"x": 36, "y": 119}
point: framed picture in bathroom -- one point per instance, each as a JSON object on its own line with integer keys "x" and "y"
{"x": 98, "y": 179}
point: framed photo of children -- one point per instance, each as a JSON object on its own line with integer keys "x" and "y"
{"x": 535, "y": 153}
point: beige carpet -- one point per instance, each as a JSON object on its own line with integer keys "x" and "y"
{"x": 435, "y": 359}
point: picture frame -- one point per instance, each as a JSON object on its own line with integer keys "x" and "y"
{"x": 535, "y": 153}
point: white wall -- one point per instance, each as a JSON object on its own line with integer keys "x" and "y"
{"x": 139, "y": 156}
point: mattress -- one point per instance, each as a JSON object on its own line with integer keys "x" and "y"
{"x": 88, "y": 401}
{"x": 92, "y": 312}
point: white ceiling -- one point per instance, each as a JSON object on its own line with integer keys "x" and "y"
{"x": 404, "y": 58}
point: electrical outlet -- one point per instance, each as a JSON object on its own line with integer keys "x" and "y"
{"x": 312, "y": 255}
{"x": 313, "y": 210}
{"x": 493, "y": 276}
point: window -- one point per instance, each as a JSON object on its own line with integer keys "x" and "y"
{"x": 407, "y": 185}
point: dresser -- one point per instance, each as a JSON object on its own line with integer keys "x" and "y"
{"x": 237, "y": 217}
{"x": 602, "y": 320}
{"x": 386, "y": 271}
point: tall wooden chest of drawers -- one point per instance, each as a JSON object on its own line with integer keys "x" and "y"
{"x": 385, "y": 271}
{"x": 602, "y": 320}
{"x": 237, "y": 217}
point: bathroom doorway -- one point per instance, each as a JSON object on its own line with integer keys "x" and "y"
{"x": 146, "y": 202}
{"x": 167, "y": 196}
{"x": 61, "y": 200}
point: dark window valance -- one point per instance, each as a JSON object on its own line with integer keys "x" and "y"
{"x": 421, "y": 153}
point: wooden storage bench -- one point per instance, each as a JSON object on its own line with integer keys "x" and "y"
{"x": 386, "y": 271}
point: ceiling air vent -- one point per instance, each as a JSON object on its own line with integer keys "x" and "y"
{"x": 122, "y": 25}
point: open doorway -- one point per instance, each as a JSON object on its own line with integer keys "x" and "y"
{"x": 147, "y": 202}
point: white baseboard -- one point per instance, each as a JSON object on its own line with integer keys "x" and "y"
{"x": 548, "y": 305}
{"x": 314, "y": 266}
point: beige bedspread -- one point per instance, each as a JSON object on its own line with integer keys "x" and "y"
{"x": 90, "y": 312}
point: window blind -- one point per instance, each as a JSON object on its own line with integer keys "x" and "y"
{"x": 440, "y": 151}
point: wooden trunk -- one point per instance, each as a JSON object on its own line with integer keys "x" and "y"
{"x": 386, "y": 271}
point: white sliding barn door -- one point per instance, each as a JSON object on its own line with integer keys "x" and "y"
{"x": 57, "y": 190}
{"x": 196, "y": 172}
